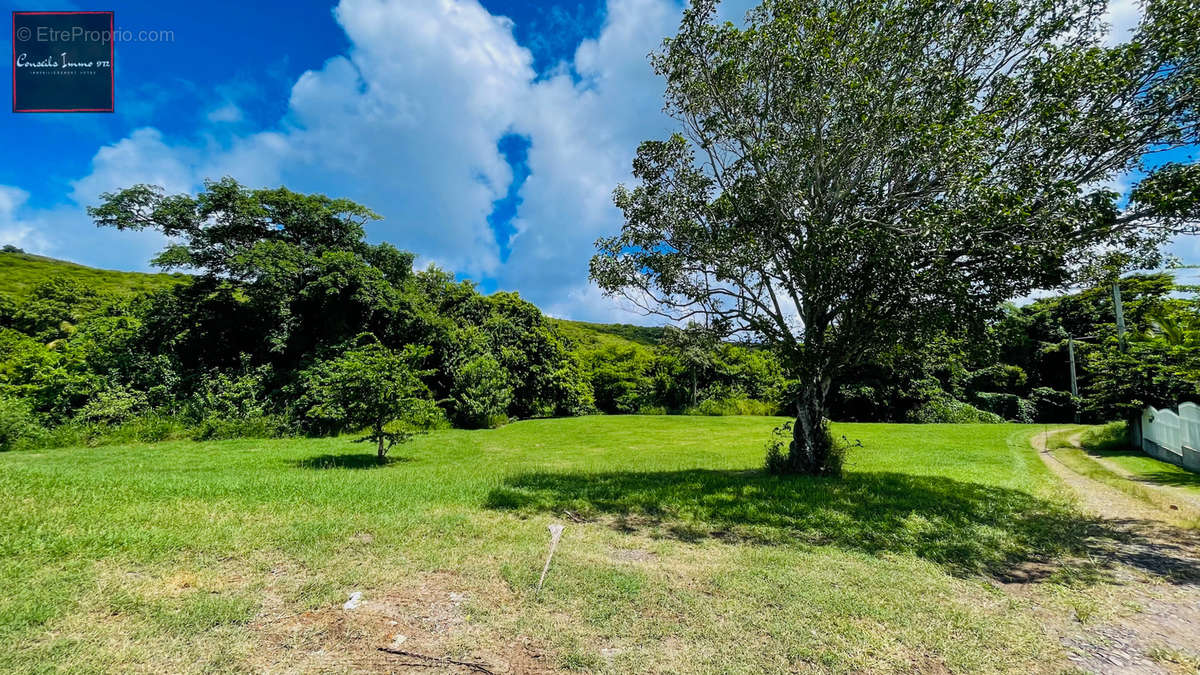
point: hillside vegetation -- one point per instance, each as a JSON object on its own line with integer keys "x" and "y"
{"x": 20, "y": 273}
{"x": 598, "y": 335}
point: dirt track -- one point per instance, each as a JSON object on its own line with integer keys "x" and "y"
{"x": 1156, "y": 567}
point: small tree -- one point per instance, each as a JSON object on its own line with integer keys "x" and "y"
{"x": 693, "y": 345}
{"x": 371, "y": 387}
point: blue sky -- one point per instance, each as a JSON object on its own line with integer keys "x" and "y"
{"x": 490, "y": 135}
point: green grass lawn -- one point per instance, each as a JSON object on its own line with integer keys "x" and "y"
{"x": 237, "y": 555}
{"x": 1109, "y": 443}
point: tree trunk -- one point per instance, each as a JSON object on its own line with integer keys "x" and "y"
{"x": 811, "y": 452}
{"x": 381, "y": 451}
{"x": 693, "y": 387}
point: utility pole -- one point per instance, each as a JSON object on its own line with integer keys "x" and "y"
{"x": 1135, "y": 421}
{"x": 1074, "y": 384}
{"x": 1120, "y": 311}
{"x": 1071, "y": 354}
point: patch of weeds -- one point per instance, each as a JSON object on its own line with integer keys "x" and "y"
{"x": 1084, "y": 575}
{"x": 316, "y": 593}
{"x": 580, "y": 660}
{"x": 1085, "y": 608}
{"x": 185, "y": 614}
{"x": 1176, "y": 657}
{"x": 516, "y": 578}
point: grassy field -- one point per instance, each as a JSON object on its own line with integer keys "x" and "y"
{"x": 20, "y": 272}
{"x": 678, "y": 555}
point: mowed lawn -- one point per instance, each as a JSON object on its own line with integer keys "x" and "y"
{"x": 679, "y": 555}
{"x": 1143, "y": 467}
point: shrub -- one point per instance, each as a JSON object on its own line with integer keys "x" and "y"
{"x": 218, "y": 427}
{"x": 946, "y": 410}
{"x": 231, "y": 396}
{"x": 1009, "y": 406}
{"x": 777, "y": 449}
{"x": 719, "y": 407}
{"x": 111, "y": 406}
{"x": 858, "y": 403}
{"x": 1000, "y": 377}
{"x": 481, "y": 393}
{"x": 778, "y": 461}
{"x": 571, "y": 391}
{"x": 1052, "y": 405}
{"x": 18, "y": 425}
{"x": 155, "y": 427}
{"x": 1110, "y": 437}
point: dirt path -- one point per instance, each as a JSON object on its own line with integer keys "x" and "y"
{"x": 1156, "y": 568}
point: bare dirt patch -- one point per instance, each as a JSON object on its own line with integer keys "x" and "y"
{"x": 429, "y": 621}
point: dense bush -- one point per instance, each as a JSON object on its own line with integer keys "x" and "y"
{"x": 112, "y": 406}
{"x": 946, "y": 410}
{"x": 733, "y": 406}
{"x": 481, "y": 393}
{"x": 278, "y": 293}
{"x": 779, "y": 444}
{"x": 1009, "y": 406}
{"x": 1052, "y": 406}
{"x": 1000, "y": 377}
{"x": 18, "y": 425}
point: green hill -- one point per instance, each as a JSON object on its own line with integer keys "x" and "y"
{"x": 592, "y": 336}
{"x": 21, "y": 272}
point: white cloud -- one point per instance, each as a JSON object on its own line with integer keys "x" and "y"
{"x": 225, "y": 114}
{"x": 14, "y": 230}
{"x": 142, "y": 157}
{"x": 1122, "y": 16}
{"x": 583, "y": 140}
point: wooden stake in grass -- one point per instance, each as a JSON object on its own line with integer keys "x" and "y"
{"x": 556, "y": 531}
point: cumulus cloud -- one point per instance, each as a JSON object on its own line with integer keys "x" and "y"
{"x": 14, "y": 230}
{"x": 408, "y": 121}
{"x": 142, "y": 157}
{"x": 584, "y": 133}
{"x": 225, "y": 114}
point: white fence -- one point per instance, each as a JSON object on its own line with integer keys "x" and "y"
{"x": 1172, "y": 436}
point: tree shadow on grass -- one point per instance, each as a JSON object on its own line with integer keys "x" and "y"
{"x": 349, "y": 460}
{"x": 1171, "y": 478}
{"x": 1180, "y": 478}
{"x": 966, "y": 528}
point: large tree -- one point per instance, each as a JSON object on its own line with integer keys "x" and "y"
{"x": 850, "y": 174}
{"x": 280, "y": 275}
